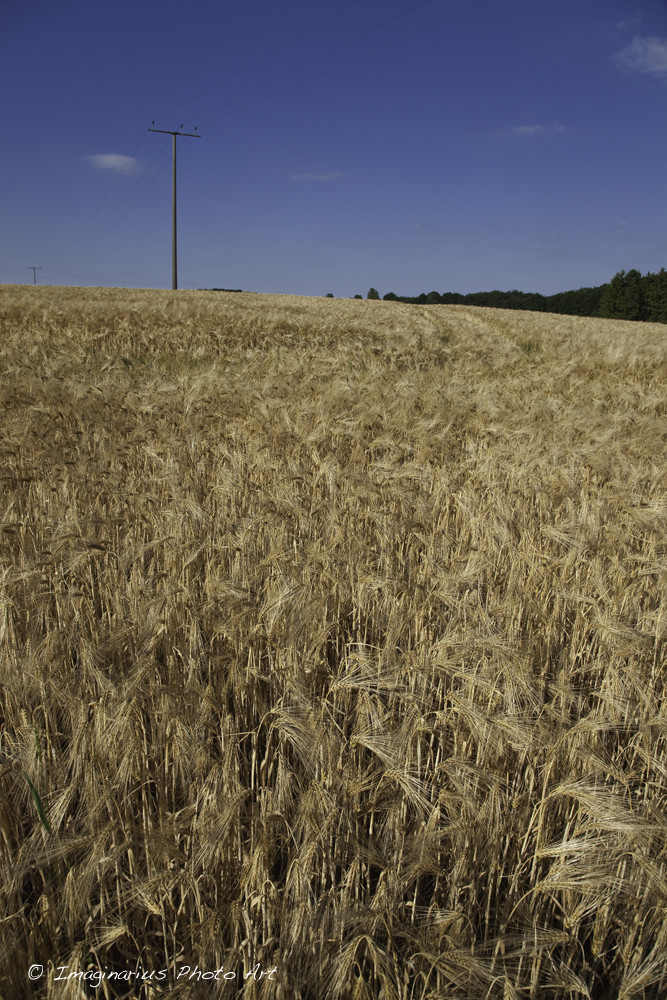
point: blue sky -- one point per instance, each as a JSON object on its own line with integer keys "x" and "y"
{"x": 447, "y": 145}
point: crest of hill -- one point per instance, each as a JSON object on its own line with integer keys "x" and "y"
{"x": 190, "y": 320}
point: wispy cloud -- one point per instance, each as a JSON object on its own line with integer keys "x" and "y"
{"x": 333, "y": 176}
{"x": 644, "y": 55}
{"x": 523, "y": 131}
{"x": 116, "y": 162}
{"x": 631, "y": 22}
{"x": 551, "y": 244}
{"x": 527, "y": 130}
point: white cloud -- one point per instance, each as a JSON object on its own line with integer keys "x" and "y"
{"x": 522, "y": 131}
{"x": 527, "y": 130}
{"x": 114, "y": 161}
{"x": 334, "y": 176}
{"x": 631, "y": 22}
{"x": 644, "y": 55}
{"x": 551, "y": 244}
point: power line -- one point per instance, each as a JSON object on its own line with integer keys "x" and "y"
{"x": 261, "y": 59}
{"x": 349, "y": 62}
{"x": 309, "y": 62}
{"x": 103, "y": 198}
{"x": 138, "y": 181}
{"x": 119, "y": 282}
{"x": 103, "y": 235}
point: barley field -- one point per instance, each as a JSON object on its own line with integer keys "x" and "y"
{"x": 332, "y": 650}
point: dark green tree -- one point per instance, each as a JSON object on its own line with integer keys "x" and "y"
{"x": 635, "y": 305}
{"x": 612, "y": 297}
{"x": 578, "y": 302}
{"x": 624, "y": 297}
{"x": 629, "y": 295}
{"x": 373, "y": 294}
{"x": 655, "y": 295}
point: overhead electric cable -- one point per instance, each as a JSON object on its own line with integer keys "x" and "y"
{"x": 103, "y": 198}
{"x": 118, "y": 282}
{"x": 349, "y": 62}
{"x": 309, "y": 62}
{"x": 141, "y": 178}
{"x": 261, "y": 59}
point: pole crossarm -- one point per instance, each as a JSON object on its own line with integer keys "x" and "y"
{"x": 173, "y": 133}
{"x": 168, "y": 131}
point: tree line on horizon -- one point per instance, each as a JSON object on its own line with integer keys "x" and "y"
{"x": 629, "y": 295}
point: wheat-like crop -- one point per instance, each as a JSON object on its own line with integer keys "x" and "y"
{"x": 331, "y": 643}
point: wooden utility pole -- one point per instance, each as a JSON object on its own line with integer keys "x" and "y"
{"x": 34, "y": 272}
{"x": 191, "y": 135}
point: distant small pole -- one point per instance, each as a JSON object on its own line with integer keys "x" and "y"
{"x": 191, "y": 135}
{"x": 34, "y": 272}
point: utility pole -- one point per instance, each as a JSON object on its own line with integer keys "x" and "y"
{"x": 34, "y": 272}
{"x": 191, "y": 135}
